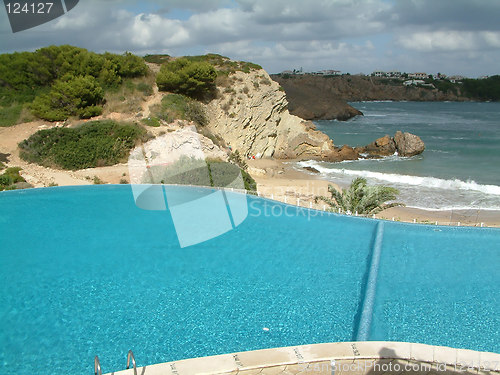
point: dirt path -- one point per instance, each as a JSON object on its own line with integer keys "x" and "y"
{"x": 150, "y": 101}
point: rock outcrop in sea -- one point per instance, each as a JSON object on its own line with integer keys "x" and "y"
{"x": 405, "y": 144}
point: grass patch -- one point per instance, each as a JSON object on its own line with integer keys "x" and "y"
{"x": 180, "y": 107}
{"x": 10, "y": 115}
{"x": 94, "y": 144}
{"x": 151, "y": 121}
{"x": 129, "y": 96}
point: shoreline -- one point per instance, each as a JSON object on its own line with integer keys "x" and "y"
{"x": 277, "y": 179}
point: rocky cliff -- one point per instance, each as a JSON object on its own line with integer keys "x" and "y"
{"x": 314, "y": 99}
{"x": 325, "y": 97}
{"x": 250, "y": 113}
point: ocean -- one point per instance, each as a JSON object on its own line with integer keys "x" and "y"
{"x": 459, "y": 169}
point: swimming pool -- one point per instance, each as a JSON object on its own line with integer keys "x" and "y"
{"x": 84, "y": 271}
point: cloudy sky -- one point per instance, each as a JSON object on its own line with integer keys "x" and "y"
{"x": 449, "y": 36}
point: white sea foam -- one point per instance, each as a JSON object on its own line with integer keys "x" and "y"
{"x": 455, "y": 208}
{"x": 428, "y": 182}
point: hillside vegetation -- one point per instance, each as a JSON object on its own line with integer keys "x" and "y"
{"x": 57, "y": 82}
{"x": 10, "y": 179}
{"x": 94, "y": 144}
{"x": 483, "y": 89}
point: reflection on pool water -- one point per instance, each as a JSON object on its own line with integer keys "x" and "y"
{"x": 84, "y": 271}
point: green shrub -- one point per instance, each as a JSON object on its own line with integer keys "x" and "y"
{"x": 70, "y": 96}
{"x": 182, "y": 76}
{"x": 156, "y": 59}
{"x": 236, "y": 158}
{"x": 195, "y": 112}
{"x": 250, "y": 184}
{"x": 24, "y": 74}
{"x": 94, "y": 144}
{"x": 10, "y": 177}
{"x": 98, "y": 181}
{"x": 190, "y": 171}
{"x": 445, "y": 86}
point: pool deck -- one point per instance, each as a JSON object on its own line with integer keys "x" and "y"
{"x": 353, "y": 358}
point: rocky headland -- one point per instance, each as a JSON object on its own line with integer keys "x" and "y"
{"x": 254, "y": 118}
{"x": 314, "y": 97}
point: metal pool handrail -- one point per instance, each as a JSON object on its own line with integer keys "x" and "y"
{"x": 130, "y": 355}
{"x": 97, "y": 366}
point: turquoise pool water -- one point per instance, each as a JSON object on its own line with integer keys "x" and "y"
{"x": 83, "y": 271}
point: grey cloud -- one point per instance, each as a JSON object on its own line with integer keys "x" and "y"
{"x": 445, "y": 14}
{"x": 277, "y": 33}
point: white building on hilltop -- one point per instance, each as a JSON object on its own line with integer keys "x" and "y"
{"x": 418, "y": 75}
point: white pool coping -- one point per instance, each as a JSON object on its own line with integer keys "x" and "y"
{"x": 262, "y": 361}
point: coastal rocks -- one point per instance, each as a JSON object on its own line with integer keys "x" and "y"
{"x": 408, "y": 144}
{"x": 405, "y": 144}
{"x": 383, "y": 146}
{"x": 251, "y": 115}
{"x": 312, "y": 99}
{"x": 170, "y": 147}
{"x": 311, "y": 169}
{"x": 346, "y": 153}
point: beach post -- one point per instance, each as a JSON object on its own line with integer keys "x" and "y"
{"x": 324, "y": 208}
{"x": 436, "y": 223}
{"x": 285, "y": 197}
{"x": 298, "y": 201}
{"x": 482, "y": 225}
{"x": 414, "y": 220}
{"x": 272, "y": 196}
{"x": 310, "y": 204}
{"x": 393, "y": 218}
{"x": 458, "y": 223}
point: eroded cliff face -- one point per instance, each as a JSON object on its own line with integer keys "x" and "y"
{"x": 325, "y": 97}
{"x": 251, "y": 115}
{"x": 312, "y": 98}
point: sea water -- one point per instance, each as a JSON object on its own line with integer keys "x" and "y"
{"x": 459, "y": 169}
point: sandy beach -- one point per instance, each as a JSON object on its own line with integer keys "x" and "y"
{"x": 278, "y": 180}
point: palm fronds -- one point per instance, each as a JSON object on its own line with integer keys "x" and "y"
{"x": 361, "y": 197}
